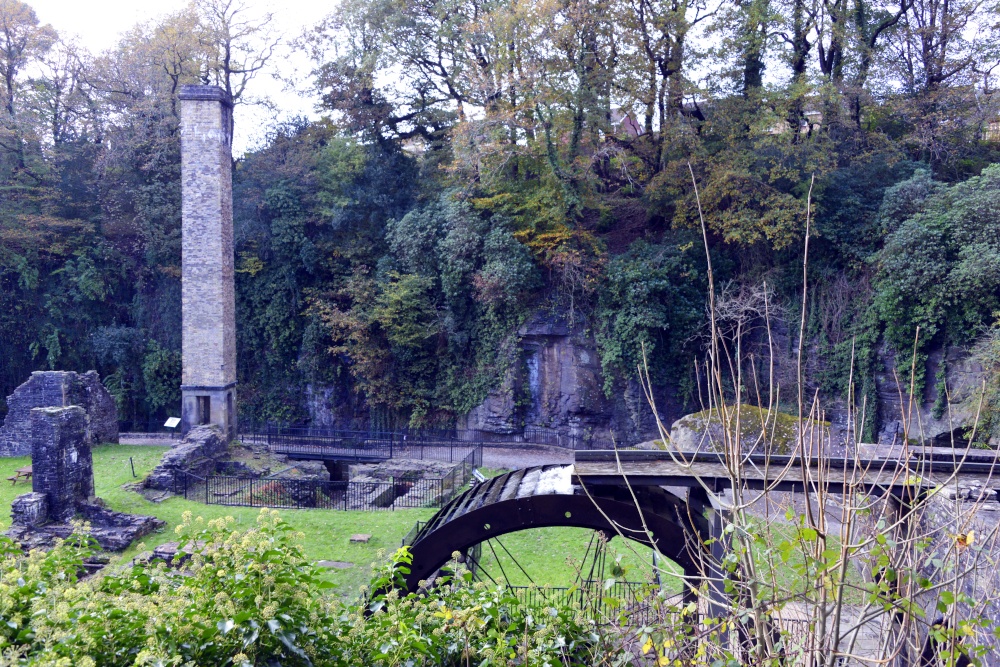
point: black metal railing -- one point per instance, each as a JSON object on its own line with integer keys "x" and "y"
{"x": 377, "y": 440}
{"x": 602, "y": 601}
{"x": 381, "y": 443}
{"x": 361, "y": 446}
{"x": 411, "y": 535}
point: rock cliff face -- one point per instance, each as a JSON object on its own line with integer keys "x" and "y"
{"x": 932, "y": 419}
{"x": 956, "y": 413}
{"x": 59, "y": 389}
{"x": 557, "y": 386}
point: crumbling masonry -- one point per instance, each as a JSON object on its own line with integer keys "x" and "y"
{"x": 63, "y": 487}
{"x": 58, "y": 389}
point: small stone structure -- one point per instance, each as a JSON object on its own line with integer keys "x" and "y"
{"x": 63, "y": 487}
{"x": 199, "y": 453}
{"x": 208, "y": 302}
{"x": 414, "y": 483}
{"x": 58, "y": 389}
{"x": 61, "y": 462}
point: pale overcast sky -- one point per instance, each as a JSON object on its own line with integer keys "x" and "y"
{"x": 98, "y": 23}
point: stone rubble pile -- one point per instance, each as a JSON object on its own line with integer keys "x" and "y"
{"x": 199, "y": 453}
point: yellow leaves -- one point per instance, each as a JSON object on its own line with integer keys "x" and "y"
{"x": 51, "y": 235}
{"x": 249, "y": 263}
{"x": 965, "y": 540}
{"x": 575, "y": 255}
{"x": 662, "y": 657}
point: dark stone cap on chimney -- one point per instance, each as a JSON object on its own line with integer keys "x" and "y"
{"x": 205, "y": 93}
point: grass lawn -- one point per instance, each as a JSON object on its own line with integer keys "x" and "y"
{"x": 327, "y": 533}
{"x": 556, "y": 556}
{"x": 549, "y": 555}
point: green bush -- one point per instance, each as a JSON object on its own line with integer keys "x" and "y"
{"x": 650, "y": 302}
{"x": 243, "y": 598}
{"x": 940, "y": 267}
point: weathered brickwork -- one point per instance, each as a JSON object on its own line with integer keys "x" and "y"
{"x": 207, "y": 288}
{"x": 30, "y": 510}
{"x": 58, "y": 389}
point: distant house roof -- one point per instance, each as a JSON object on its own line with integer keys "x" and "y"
{"x": 623, "y": 122}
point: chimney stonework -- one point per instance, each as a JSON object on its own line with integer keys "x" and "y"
{"x": 208, "y": 384}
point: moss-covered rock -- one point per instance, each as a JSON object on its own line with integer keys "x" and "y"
{"x": 761, "y": 430}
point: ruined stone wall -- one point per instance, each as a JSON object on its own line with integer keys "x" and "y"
{"x": 61, "y": 461}
{"x": 63, "y": 487}
{"x": 58, "y": 389}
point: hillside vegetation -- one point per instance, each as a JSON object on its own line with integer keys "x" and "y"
{"x": 479, "y": 162}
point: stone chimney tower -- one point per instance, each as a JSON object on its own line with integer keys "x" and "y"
{"x": 208, "y": 383}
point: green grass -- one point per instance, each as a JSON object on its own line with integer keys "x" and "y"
{"x": 556, "y": 556}
{"x": 549, "y": 555}
{"x": 327, "y": 533}
{"x": 559, "y": 556}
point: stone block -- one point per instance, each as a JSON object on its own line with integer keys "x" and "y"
{"x": 30, "y": 509}
{"x": 115, "y": 531}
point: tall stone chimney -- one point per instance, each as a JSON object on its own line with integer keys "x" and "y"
{"x": 208, "y": 383}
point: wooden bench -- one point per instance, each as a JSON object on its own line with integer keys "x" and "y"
{"x": 20, "y": 473}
